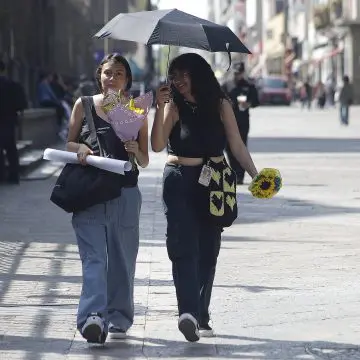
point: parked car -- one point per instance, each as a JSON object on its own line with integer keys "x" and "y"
{"x": 273, "y": 90}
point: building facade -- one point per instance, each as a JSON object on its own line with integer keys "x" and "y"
{"x": 231, "y": 13}
{"x": 38, "y": 36}
{"x": 336, "y": 51}
{"x": 255, "y": 29}
{"x": 308, "y": 39}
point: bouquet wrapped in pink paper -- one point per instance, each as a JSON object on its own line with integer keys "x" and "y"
{"x": 126, "y": 115}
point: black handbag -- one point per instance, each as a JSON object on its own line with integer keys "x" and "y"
{"x": 218, "y": 200}
{"x": 78, "y": 187}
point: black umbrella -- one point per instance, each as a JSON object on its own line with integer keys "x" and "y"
{"x": 172, "y": 27}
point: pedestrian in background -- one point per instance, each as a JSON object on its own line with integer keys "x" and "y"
{"x": 320, "y": 95}
{"x": 48, "y": 99}
{"x": 307, "y": 94}
{"x": 12, "y": 102}
{"x": 243, "y": 95}
{"x": 345, "y": 100}
{"x": 61, "y": 91}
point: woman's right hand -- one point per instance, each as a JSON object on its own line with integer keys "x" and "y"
{"x": 162, "y": 95}
{"x": 82, "y": 153}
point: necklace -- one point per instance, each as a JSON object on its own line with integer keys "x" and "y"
{"x": 192, "y": 106}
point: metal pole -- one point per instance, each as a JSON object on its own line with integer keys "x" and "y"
{"x": 106, "y": 19}
{"x": 286, "y": 23}
{"x": 306, "y": 47}
{"x": 149, "y": 54}
{"x": 286, "y": 34}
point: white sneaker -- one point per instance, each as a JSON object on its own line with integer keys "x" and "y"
{"x": 93, "y": 329}
{"x": 116, "y": 333}
{"x": 189, "y": 327}
{"x": 206, "y": 331}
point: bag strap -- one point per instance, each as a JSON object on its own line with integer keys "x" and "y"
{"x": 206, "y": 160}
{"x": 87, "y": 102}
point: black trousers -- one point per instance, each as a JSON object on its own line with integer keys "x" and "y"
{"x": 192, "y": 244}
{"x": 9, "y": 151}
{"x": 234, "y": 164}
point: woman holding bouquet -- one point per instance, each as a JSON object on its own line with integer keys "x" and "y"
{"x": 194, "y": 126}
{"x": 108, "y": 233}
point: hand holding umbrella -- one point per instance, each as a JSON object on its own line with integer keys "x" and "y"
{"x": 163, "y": 95}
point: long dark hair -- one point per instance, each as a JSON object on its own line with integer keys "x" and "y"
{"x": 116, "y": 58}
{"x": 205, "y": 88}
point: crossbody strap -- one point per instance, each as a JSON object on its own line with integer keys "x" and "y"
{"x": 87, "y": 104}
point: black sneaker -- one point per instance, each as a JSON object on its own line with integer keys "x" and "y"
{"x": 94, "y": 329}
{"x": 206, "y": 330}
{"x": 98, "y": 343}
{"x": 188, "y": 325}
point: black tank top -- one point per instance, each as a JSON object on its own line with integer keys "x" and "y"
{"x": 112, "y": 146}
{"x": 195, "y": 137}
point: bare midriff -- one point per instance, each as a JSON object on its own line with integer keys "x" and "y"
{"x": 179, "y": 160}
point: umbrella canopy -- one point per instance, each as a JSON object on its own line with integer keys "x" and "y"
{"x": 172, "y": 27}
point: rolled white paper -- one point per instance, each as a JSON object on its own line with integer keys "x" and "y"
{"x": 113, "y": 165}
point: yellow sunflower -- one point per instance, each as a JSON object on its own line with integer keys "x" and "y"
{"x": 133, "y": 108}
{"x": 266, "y": 184}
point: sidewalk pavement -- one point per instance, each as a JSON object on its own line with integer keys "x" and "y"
{"x": 286, "y": 285}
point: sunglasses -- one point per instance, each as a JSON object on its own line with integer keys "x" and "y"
{"x": 178, "y": 76}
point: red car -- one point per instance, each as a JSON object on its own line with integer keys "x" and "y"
{"x": 273, "y": 90}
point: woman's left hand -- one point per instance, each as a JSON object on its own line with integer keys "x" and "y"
{"x": 132, "y": 147}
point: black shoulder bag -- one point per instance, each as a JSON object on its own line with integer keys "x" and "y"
{"x": 78, "y": 187}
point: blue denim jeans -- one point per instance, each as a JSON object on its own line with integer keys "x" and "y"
{"x": 192, "y": 244}
{"x": 108, "y": 240}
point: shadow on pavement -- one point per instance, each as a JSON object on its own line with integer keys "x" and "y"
{"x": 151, "y": 348}
{"x": 253, "y": 289}
{"x": 281, "y": 208}
{"x": 303, "y": 145}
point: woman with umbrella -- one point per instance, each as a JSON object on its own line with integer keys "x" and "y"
{"x": 195, "y": 126}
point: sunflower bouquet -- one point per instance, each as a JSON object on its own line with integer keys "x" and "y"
{"x": 126, "y": 115}
{"x": 266, "y": 184}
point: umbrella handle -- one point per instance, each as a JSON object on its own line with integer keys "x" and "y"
{"x": 229, "y": 55}
{"x": 167, "y": 70}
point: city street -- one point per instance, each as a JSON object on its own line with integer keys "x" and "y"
{"x": 287, "y": 284}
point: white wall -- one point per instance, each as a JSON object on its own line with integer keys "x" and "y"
{"x": 267, "y": 11}
{"x": 351, "y": 9}
{"x": 251, "y": 11}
